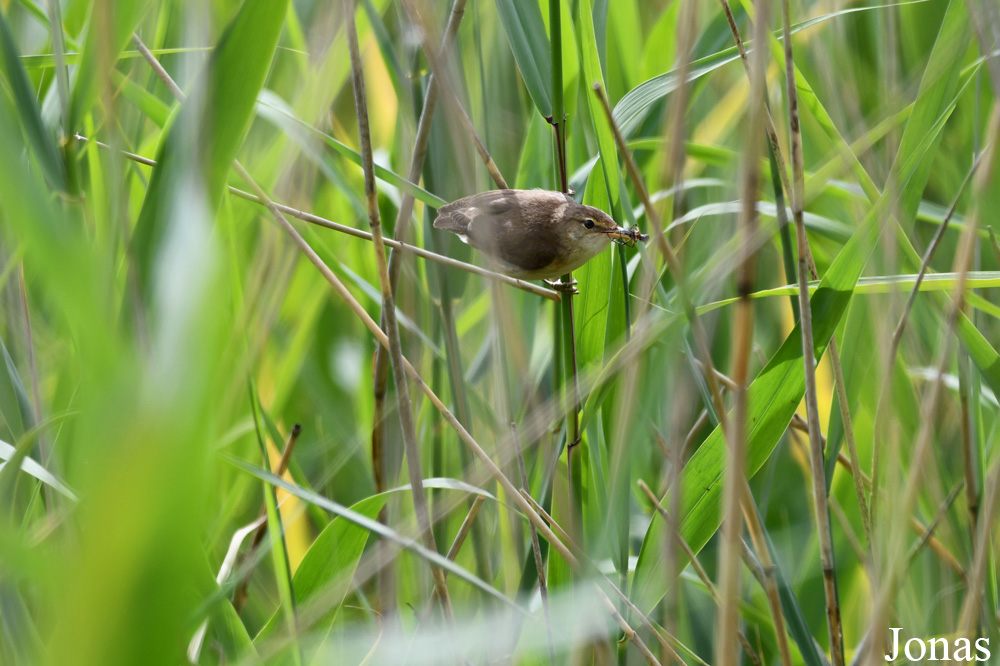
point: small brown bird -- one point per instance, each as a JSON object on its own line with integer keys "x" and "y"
{"x": 532, "y": 234}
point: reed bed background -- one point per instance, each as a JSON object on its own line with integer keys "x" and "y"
{"x": 254, "y": 409}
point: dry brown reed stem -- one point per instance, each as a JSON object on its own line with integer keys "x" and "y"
{"x": 687, "y": 29}
{"x": 628, "y": 630}
{"x": 240, "y": 595}
{"x": 808, "y": 355}
{"x": 977, "y": 579}
{"x": 735, "y": 473}
{"x": 403, "y": 216}
{"x": 763, "y": 571}
{"x": 448, "y": 92}
{"x": 756, "y": 531}
{"x": 696, "y": 565}
{"x": 852, "y": 447}
{"x": 326, "y": 223}
{"x": 968, "y": 456}
{"x": 692, "y": 435}
{"x": 405, "y": 407}
{"x": 770, "y": 582}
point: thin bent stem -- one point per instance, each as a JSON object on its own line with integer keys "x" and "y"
{"x": 456, "y": 545}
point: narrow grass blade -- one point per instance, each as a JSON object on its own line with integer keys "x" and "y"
{"x": 525, "y": 28}
{"x": 221, "y": 107}
{"x": 276, "y": 535}
{"x": 14, "y": 405}
{"x": 632, "y": 109}
{"x": 39, "y": 137}
{"x": 374, "y": 527}
{"x": 96, "y": 43}
{"x": 333, "y": 557}
{"x": 32, "y": 468}
{"x": 881, "y": 285}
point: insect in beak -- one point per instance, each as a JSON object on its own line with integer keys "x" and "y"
{"x": 627, "y": 237}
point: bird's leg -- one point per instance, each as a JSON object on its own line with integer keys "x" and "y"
{"x": 563, "y": 287}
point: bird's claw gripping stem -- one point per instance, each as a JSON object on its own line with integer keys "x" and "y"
{"x": 563, "y": 287}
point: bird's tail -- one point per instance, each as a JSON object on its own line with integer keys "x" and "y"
{"x": 453, "y": 220}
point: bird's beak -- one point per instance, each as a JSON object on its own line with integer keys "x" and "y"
{"x": 628, "y": 235}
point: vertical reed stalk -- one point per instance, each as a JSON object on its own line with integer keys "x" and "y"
{"x": 809, "y": 357}
{"x": 687, "y": 30}
{"x": 401, "y": 227}
{"x": 568, "y": 343}
{"x": 405, "y": 407}
{"x": 732, "y": 525}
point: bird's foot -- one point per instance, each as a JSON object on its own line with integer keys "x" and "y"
{"x": 563, "y": 287}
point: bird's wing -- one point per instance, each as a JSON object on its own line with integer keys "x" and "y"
{"x": 523, "y": 245}
{"x": 458, "y": 215}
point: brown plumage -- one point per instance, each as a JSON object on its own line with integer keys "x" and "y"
{"x": 531, "y": 234}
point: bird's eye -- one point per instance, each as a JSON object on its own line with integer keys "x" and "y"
{"x": 589, "y": 223}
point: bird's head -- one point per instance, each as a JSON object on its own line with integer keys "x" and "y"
{"x": 592, "y": 229}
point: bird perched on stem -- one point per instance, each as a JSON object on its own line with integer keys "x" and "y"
{"x": 533, "y": 234}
